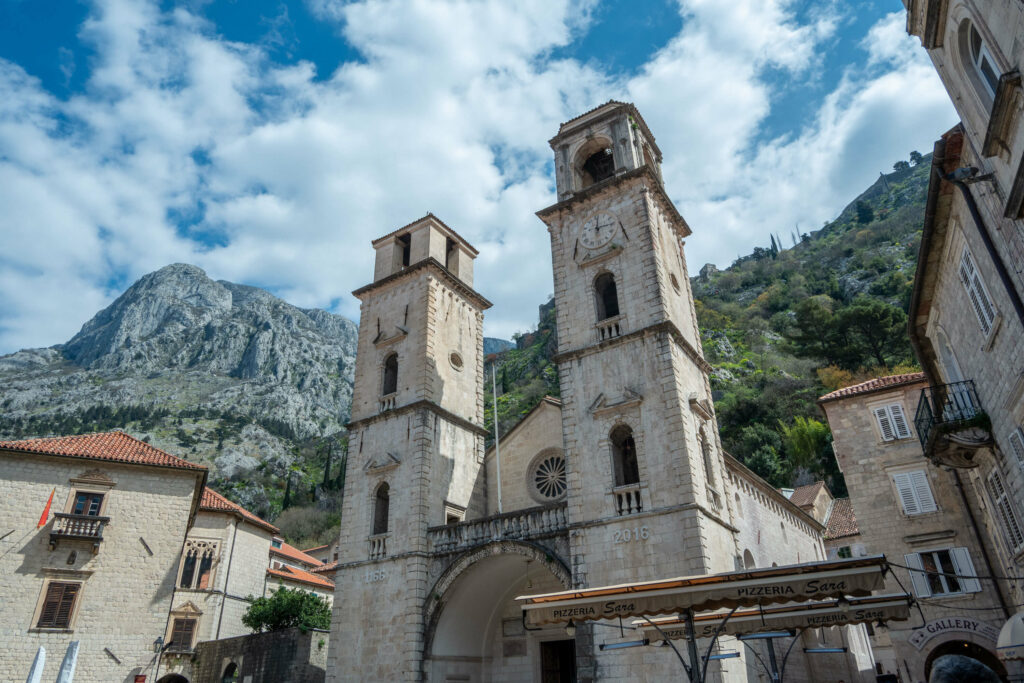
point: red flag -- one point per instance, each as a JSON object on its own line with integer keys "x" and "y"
{"x": 46, "y": 511}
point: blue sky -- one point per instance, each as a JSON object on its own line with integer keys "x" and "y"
{"x": 268, "y": 141}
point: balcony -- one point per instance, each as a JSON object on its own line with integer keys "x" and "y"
{"x": 627, "y": 499}
{"x": 609, "y": 328}
{"x": 951, "y": 424}
{"x": 520, "y": 525}
{"x": 378, "y": 546}
{"x": 387, "y": 402}
{"x": 77, "y": 528}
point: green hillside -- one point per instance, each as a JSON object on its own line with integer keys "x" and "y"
{"x": 782, "y": 326}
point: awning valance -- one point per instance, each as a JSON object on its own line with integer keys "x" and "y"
{"x": 792, "y": 583}
{"x": 1011, "y": 638}
{"x": 814, "y": 614}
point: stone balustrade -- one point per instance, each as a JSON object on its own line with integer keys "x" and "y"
{"x": 516, "y": 526}
{"x": 609, "y": 328}
{"x": 627, "y": 499}
{"x": 387, "y": 402}
{"x": 378, "y": 546}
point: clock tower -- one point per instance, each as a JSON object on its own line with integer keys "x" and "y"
{"x": 644, "y": 462}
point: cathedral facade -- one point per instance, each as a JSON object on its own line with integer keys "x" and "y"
{"x": 620, "y": 479}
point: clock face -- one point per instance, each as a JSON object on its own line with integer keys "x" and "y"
{"x": 598, "y": 231}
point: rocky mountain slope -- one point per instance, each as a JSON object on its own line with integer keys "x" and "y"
{"x": 219, "y": 373}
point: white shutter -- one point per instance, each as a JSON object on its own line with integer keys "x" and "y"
{"x": 922, "y": 491}
{"x": 884, "y": 424}
{"x": 1011, "y": 527}
{"x": 905, "y": 488}
{"x": 965, "y": 570}
{"x": 1017, "y": 444}
{"x": 976, "y": 292}
{"x": 899, "y": 421}
{"x": 917, "y": 578}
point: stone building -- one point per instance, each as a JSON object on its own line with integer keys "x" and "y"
{"x": 101, "y": 568}
{"x": 966, "y": 310}
{"x": 918, "y": 516}
{"x": 621, "y": 479}
{"x": 294, "y": 569}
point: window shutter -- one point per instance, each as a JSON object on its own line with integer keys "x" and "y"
{"x": 884, "y": 424}
{"x": 181, "y": 633}
{"x": 1017, "y": 444}
{"x": 905, "y": 488}
{"x": 965, "y": 570}
{"x": 922, "y": 491}
{"x": 917, "y": 578}
{"x": 899, "y": 421}
{"x": 57, "y": 605}
{"x": 67, "y": 603}
{"x": 1011, "y": 527}
{"x": 976, "y": 292}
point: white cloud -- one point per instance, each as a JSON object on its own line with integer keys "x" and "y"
{"x": 449, "y": 111}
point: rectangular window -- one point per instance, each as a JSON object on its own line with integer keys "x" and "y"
{"x": 845, "y": 552}
{"x": 942, "y": 572}
{"x": 914, "y": 492}
{"x": 892, "y": 422}
{"x": 181, "y": 634}
{"x": 87, "y": 504}
{"x": 1004, "y": 510}
{"x": 58, "y": 604}
{"x": 981, "y": 302}
{"x": 1017, "y": 444}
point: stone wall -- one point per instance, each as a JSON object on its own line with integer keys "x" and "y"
{"x": 290, "y": 655}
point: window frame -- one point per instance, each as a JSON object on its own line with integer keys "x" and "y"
{"x": 962, "y": 566}
{"x": 608, "y": 279}
{"x": 384, "y": 384}
{"x": 914, "y": 483}
{"x": 1016, "y": 441}
{"x": 618, "y": 457}
{"x": 892, "y": 418}
{"x": 195, "y": 628}
{"x": 203, "y": 548}
{"x": 37, "y": 615}
{"x": 375, "y": 521}
{"x": 978, "y": 296}
{"x": 1002, "y": 506}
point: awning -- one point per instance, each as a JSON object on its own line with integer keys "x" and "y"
{"x": 815, "y": 614}
{"x": 1011, "y": 638}
{"x": 792, "y": 583}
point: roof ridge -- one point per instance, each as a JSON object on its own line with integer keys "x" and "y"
{"x": 113, "y": 446}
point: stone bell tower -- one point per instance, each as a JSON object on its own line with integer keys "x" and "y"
{"x": 415, "y": 446}
{"x": 645, "y": 467}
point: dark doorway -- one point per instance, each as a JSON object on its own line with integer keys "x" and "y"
{"x": 967, "y": 649}
{"x": 558, "y": 661}
{"x": 173, "y": 678}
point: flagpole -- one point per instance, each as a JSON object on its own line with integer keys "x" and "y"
{"x": 497, "y": 452}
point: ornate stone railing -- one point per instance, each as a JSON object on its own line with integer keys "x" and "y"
{"x": 387, "y": 402}
{"x": 378, "y": 546}
{"x": 609, "y": 328}
{"x": 78, "y": 527}
{"x": 951, "y": 423}
{"x": 516, "y": 526}
{"x": 627, "y": 499}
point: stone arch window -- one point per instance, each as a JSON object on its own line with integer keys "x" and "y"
{"x": 978, "y": 63}
{"x": 390, "y": 384}
{"x": 627, "y": 469}
{"x": 381, "y": 509}
{"x": 606, "y": 296}
{"x": 748, "y": 560}
{"x": 230, "y": 673}
{"x": 595, "y": 162}
{"x": 705, "y": 452}
{"x": 739, "y": 505}
{"x": 197, "y": 564}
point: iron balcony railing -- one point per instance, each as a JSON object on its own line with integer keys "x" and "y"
{"x": 947, "y": 407}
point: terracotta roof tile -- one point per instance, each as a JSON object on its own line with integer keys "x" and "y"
{"x": 876, "y": 384}
{"x": 805, "y": 495}
{"x": 326, "y": 568}
{"x": 215, "y": 502}
{"x": 109, "y": 446}
{"x": 314, "y": 549}
{"x": 293, "y": 553}
{"x": 842, "y": 522}
{"x": 293, "y": 574}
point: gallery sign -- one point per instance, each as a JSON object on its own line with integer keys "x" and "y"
{"x": 952, "y": 625}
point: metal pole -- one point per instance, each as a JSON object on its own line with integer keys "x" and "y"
{"x": 771, "y": 658}
{"x": 696, "y": 675}
{"x": 497, "y": 438}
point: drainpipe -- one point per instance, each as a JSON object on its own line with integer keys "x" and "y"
{"x": 227, "y": 577}
{"x": 1004, "y": 274}
{"x": 981, "y": 543}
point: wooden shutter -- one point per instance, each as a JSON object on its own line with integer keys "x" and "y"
{"x": 899, "y": 421}
{"x": 905, "y": 489}
{"x": 58, "y": 605}
{"x": 923, "y": 491}
{"x": 1001, "y": 502}
{"x": 182, "y": 632}
{"x": 976, "y": 292}
{"x": 1017, "y": 444}
{"x": 965, "y": 570}
{"x": 918, "y": 579}
{"x": 884, "y": 424}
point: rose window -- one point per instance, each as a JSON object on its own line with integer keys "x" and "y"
{"x": 549, "y": 477}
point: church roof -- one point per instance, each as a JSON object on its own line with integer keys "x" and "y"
{"x": 876, "y": 384}
{"x": 547, "y": 400}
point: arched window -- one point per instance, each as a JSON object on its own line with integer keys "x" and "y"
{"x": 230, "y": 673}
{"x": 390, "y": 374}
{"x": 978, "y": 60}
{"x": 705, "y": 452}
{"x": 606, "y": 296}
{"x": 627, "y": 471}
{"x": 594, "y": 162}
{"x": 381, "y": 504}
{"x": 748, "y": 560}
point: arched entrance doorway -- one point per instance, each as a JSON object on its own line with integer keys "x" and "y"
{"x": 475, "y": 628}
{"x": 172, "y": 678}
{"x": 967, "y": 649}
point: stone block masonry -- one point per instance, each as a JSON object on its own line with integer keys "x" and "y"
{"x": 290, "y": 655}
